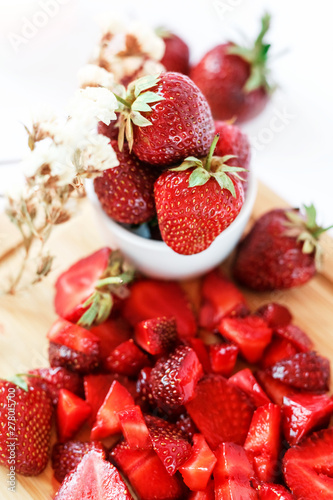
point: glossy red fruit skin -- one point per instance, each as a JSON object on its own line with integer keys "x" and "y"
{"x": 267, "y": 259}
{"x": 110, "y": 131}
{"x": 66, "y": 456}
{"x": 276, "y": 315}
{"x": 277, "y": 350}
{"x": 221, "y": 78}
{"x": 111, "y": 333}
{"x": 177, "y": 55}
{"x": 270, "y": 491}
{"x": 223, "y": 358}
{"x": 191, "y": 218}
{"x": 127, "y": 359}
{"x": 134, "y": 428}
{"x": 296, "y": 336}
{"x": 246, "y": 381}
{"x": 182, "y": 124}
{"x": 126, "y": 192}
{"x": 157, "y": 335}
{"x": 71, "y": 413}
{"x": 54, "y": 379}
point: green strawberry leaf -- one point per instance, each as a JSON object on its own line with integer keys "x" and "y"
{"x": 189, "y": 162}
{"x": 139, "y": 120}
{"x": 19, "y": 381}
{"x": 198, "y": 177}
{"x": 145, "y": 83}
{"x": 225, "y": 182}
{"x": 311, "y": 215}
{"x": 142, "y": 102}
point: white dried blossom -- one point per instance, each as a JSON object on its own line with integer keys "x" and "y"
{"x": 112, "y": 22}
{"x": 151, "y": 44}
{"x": 99, "y": 154}
{"x": 92, "y": 75}
{"x": 94, "y": 104}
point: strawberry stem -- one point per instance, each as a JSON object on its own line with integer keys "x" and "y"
{"x": 211, "y": 152}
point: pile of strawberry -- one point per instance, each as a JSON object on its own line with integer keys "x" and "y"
{"x": 221, "y": 403}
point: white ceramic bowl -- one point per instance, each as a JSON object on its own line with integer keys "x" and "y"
{"x": 156, "y": 259}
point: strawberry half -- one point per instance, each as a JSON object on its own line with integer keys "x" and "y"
{"x": 66, "y": 456}
{"x": 157, "y": 335}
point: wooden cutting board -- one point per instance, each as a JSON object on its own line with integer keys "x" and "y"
{"x": 26, "y": 317}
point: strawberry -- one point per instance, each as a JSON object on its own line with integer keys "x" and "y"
{"x": 72, "y": 412}
{"x": 54, "y": 379}
{"x": 86, "y": 292}
{"x": 196, "y": 471}
{"x": 234, "y": 78}
{"x": 270, "y": 491}
{"x": 166, "y": 119}
{"x": 296, "y": 336}
{"x": 92, "y": 479}
{"x": 197, "y": 201}
{"x": 144, "y": 389}
{"x": 185, "y": 424}
{"x": 274, "y": 389}
{"x": 169, "y": 442}
{"x": 134, "y": 427}
{"x": 153, "y": 299}
{"x": 111, "y": 131}
{"x": 66, "y": 456}
{"x": 277, "y": 350}
{"x": 220, "y": 410}
{"x": 223, "y": 358}
{"x": 126, "y": 192}
{"x": 276, "y": 315}
{"x": 111, "y": 333}
{"x": 173, "y": 380}
{"x": 127, "y": 359}
{"x": 304, "y": 370}
{"x": 157, "y": 335}
{"x": 279, "y": 252}
{"x": 177, "y": 54}
{"x": 207, "y": 494}
{"x": 202, "y": 352}
{"x": 308, "y": 467}
{"x": 246, "y": 381}
{"x": 25, "y": 423}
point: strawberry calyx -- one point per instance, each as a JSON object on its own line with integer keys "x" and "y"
{"x": 211, "y": 166}
{"x": 133, "y": 101}
{"x": 20, "y": 380}
{"x": 257, "y": 57}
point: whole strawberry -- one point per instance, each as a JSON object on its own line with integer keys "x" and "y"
{"x": 177, "y": 54}
{"x": 234, "y": 79}
{"x": 126, "y": 192}
{"x": 280, "y": 250}
{"x": 25, "y": 423}
{"x": 197, "y": 201}
{"x": 165, "y": 118}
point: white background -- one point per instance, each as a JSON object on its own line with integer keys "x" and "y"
{"x": 292, "y": 154}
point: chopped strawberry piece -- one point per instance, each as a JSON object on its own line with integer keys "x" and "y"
{"x": 296, "y": 336}
{"x": 93, "y": 478}
{"x": 233, "y": 473}
{"x": 251, "y": 334}
{"x": 153, "y": 299}
{"x": 72, "y": 412}
{"x": 276, "y": 315}
{"x": 196, "y": 471}
{"x": 308, "y": 468}
{"x": 96, "y": 388}
{"x": 305, "y": 370}
{"x": 127, "y": 359}
{"x": 246, "y": 381}
{"x": 270, "y": 491}
{"x": 207, "y": 494}
{"x": 147, "y": 474}
{"x": 277, "y": 350}
{"x": 186, "y": 424}
{"x": 274, "y": 389}
{"x": 54, "y": 379}
{"x": 303, "y": 413}
{"x": 111, "y": 333}
{"x": 144, "y": 389}
{"x": 66, "y": 456}
{"x": 263, "y": 441}
{"x": 219, "y": 298}
{"x": 78, "y": 362}
{"x": 201, "y": 351}
{"x": 223, "y": 358}
{"x": 220, "y": 411}
{"x": 107, "y": 421}
{"x": 169, "y": 442}
{"x": 134, "y": 427}
{"x": 173, "y": 380}
{"x": 157, "y": 335}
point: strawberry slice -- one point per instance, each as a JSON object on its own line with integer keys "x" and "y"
{"x": 263, "y": 441}
{"x": 72, "y": 412}
{"x": 147, "y": 474}
{"x": 233, "y": 473}
{"x": 308, "y": 468}
{"x": 92, "y": 479}
{"x": 274, "y": 389}
{"x": 107, "y": 421}
{"x": 169, "y": 442}
{"x": 305, "y": 370}
{"x": 157, "y": 335}
{"x": 296, "y": 336}
{"x": 66, "y": 456}
{"x": 251, "y": 334}
{"x": 277, "y": 350}
{"x": 197, "y": 470}
{"x": 303, "y": 413}
{"x": 270, "y": 491}
{"x": 127, "y": 359}
{"x": 223, "y": 358}
{"x": 246, "y": 381}
{"x": 173, "y": 380}
{"x": 111, "y": 333}
{"x": 207, "y": 494}
{"x": 220, "y": 410}
{"x": 134, "y": 427}
{"x": 276, "y": 315}
{"x": 201, "y": 351}
{"x": 54, "y": 379}
{"x": 220, "y": 297}
{"x": 153, "y": 299}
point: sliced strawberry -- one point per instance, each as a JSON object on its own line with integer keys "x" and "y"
{"x": 153, "y": 299}
{"x": 201, "y": 351}
{"x": 263, "y": 441}
{"x": 296, "y": 336}
{"x": 220, "y": 411}
{"x": 276, "y": 315}
{"x": 303, "y": 413}
{"x": 246, "y": 381}
{"x": 127, "y": 359}
{"x": 72, "y": 412}
{"x": 233, "y": 473}
{"x": 219, "y": 298}
{"x": 66, "y": 456}
{"x": 134, "y": 427}
{"x": 270, "y": 491}
{"x": 274, "y": 389}
{"x": 173, "y": 379}
{"x": 277, "y": 350}
{"x": 251, "y": 334}
{"x": 107, "y": 421}
{"x": 186, "y": 425}
{"x": 223, "y": 358}
{"x": 305, "y": 370}
{"x": 157, "y": 335}
{"x": 54, "y": 379}
{"x": 308, "y": 468}
{"x": 196, "y": 471}
{"x": 144, "y": 389}
{"x": 111, "y": 333}
{"x": 93, "y": 478}
{"x": 96, "y": 388}
{"x": 147, "y": 474}
{"x": 207, "y": 494}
